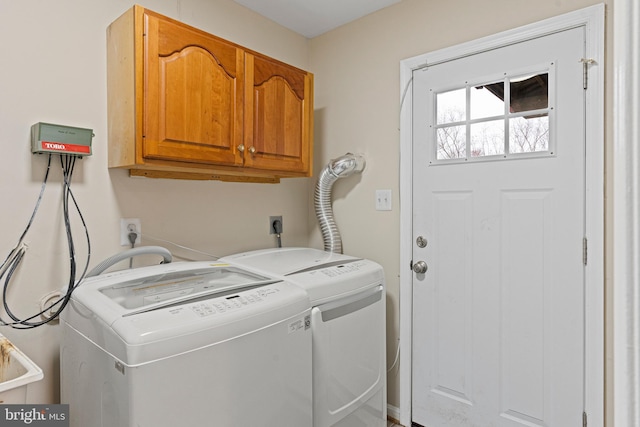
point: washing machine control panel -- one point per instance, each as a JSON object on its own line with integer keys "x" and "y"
{"x": 233, "y": 302}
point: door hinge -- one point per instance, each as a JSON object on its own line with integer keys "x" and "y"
{"x": 584, "y": 419}
{"x": 585, "y": 70}
{"x": 584, "y": 250}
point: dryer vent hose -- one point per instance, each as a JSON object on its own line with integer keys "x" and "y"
{"x": 341, "y": 167}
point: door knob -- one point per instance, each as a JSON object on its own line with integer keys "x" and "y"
{"x": 420, "y": 267}
{"x": 241, "y": 148}
{"x": 252, "y": 150}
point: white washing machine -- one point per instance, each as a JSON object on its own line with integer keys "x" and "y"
{"x": 187, "y": 344}
{"x": 348, "y": 327}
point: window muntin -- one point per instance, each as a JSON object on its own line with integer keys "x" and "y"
{"x": 507, "y": 117}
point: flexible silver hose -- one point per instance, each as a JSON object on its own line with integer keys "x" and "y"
{"x": 130, "y": 253}
{"x": 337, "y": 168}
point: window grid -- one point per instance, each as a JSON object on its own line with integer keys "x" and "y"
{"x": 449, "y": 139}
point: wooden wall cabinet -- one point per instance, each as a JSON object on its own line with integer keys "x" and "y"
{"x": 183, "y": 103}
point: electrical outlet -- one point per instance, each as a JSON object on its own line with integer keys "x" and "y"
{"x": 271, "y": 220}
{"x": 127, "y": 225}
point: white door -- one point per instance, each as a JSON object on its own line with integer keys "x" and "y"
{"x": 499, "y": 220}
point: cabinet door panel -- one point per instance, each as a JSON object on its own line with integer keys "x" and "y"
{"x": 277, "y": 123}
{"x": 193, "y": 95}
{"x": 277, "y": 116}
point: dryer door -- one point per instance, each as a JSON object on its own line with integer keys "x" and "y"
{"x": 349, "y": 378}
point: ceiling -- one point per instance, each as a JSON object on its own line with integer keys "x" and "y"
{"x": 314, "y": 17}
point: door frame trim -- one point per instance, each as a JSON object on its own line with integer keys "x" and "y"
{"x": 593, "y": 20}
{"x": 626, "y": 215}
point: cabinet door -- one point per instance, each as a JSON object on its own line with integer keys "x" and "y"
{"x": 193, "y": 94}
{"x": 278, "y": 116}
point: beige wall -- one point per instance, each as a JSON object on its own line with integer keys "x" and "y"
{"x": 54, "y": 70}
{"x": 357, "y": 71}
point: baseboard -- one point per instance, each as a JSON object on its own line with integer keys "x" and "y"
{"x": 393, "y": 414}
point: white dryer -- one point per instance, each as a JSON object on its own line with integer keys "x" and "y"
{"x": 348, "y": 327}
{"x": 187, "y": 344}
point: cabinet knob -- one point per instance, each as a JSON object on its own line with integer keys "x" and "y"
{"x": 241, "y": 148}
{"x": 252, "y": 150}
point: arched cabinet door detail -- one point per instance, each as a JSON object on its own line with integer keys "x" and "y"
{"x": 279, "y": 114}
{"x": 183, "y": 103}
{"x": 193, "y": 97}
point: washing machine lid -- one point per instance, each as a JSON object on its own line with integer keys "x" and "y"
{"x": 324, "y": 275}
{"x": 134, "y": 291}
{"x": 145, "y": 314}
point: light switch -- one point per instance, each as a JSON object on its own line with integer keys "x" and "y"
{"x": 383, "y": 200}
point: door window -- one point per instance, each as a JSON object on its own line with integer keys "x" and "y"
{"x": 503, "y": 118}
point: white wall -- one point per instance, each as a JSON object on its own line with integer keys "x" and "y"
{"x": 357, "y": 69}
{"x": 54, "y": 70}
